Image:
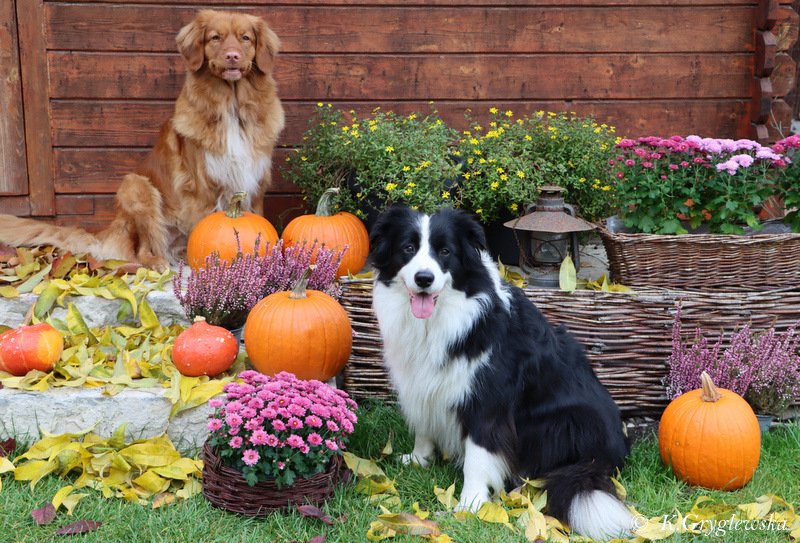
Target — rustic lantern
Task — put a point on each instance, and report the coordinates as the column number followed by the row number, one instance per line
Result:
column 546, row 235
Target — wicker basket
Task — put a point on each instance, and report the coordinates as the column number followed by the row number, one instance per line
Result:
column 627, row 336
column 704, row 262
column 227, row 489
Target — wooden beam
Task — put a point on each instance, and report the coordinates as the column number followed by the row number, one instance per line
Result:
column 30, row 14
column 13, row 170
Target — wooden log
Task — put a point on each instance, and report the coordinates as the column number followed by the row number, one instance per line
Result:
column 761, row 102
column 416, row 29
column 786, row 28
column 404, row 77
column 766, row 14
column 13, row 168
column 766, row 47
column 783, row 77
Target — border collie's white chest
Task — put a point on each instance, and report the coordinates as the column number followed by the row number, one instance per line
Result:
column 239, row 168
column 430, row 385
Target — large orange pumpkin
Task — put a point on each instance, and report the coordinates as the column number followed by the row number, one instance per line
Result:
column 34, row 347
column 710, row 437
column 204, row 349
column 305, row 332
column 334, row 230
column 217, row 232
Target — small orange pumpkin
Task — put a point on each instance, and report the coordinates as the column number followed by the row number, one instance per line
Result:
column 204, row 349
column 33, row 347
column 217, row 232
column 710, row 437
column 334, row 230
column 305, row 332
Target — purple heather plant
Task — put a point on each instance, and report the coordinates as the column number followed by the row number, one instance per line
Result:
column 764, row 368
column 663, row 184
column 280, row 427
column 224, row 292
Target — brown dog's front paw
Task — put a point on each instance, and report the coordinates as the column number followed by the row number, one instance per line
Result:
column 154, row 263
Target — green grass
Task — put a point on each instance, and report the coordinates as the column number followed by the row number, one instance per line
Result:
column 651, row 488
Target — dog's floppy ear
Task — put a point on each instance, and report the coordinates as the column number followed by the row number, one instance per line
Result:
column 191, row 39
column 472, row 231
column 267, row 45
column 381, row 235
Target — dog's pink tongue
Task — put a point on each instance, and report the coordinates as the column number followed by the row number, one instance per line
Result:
column 422, row 305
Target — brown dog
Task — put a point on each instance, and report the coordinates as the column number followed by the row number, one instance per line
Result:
column 219, row 141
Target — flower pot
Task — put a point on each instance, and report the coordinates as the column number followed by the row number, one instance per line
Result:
column 764, row 422
column 227, row 489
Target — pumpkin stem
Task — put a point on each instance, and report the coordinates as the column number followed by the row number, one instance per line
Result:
column 299, row 290
column 710, row 392
column 199, row 318
column 324, row 204
column 234, row 210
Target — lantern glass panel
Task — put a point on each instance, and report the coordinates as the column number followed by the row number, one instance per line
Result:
column 549, row 249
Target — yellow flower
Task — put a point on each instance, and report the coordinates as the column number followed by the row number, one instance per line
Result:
column 446, row 195
column 412, row 116
column 606, row 187
column 373, row 128
column 406, row 168
column 477, row 151
column 528, row 138
column 390, row 187
column 408, row 192
column 319, row 104
column 514, row 207
column 493, row 124
column 504, row 177
column 493, row 110
column 467, row 175
column 412, row 184
column 478, row 211
column 470, row 160
column 478, row 127
column 520, row 174
column 389, row 149
column 509, row 113
column 582, row 180
column 345, row 129
column 495, row 185
column 473, row 141
column 303, row 158
column 500, row 170
column 359, row 213
column 482, row 161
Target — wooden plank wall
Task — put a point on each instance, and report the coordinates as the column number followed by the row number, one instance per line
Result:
column 646, row 66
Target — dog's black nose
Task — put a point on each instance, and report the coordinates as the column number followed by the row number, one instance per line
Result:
column 423, row 278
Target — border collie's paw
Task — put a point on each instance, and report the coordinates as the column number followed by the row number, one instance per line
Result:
column 470, row 504
column 421, row 461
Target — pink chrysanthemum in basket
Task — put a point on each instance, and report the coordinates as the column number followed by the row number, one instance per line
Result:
column 280, row 427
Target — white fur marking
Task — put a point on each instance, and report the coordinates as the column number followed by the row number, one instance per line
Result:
column 600, row 515
column 238, row 168
column 484, row 472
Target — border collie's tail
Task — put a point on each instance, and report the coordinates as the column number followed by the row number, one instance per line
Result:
column 584, row 496
column 22, row 232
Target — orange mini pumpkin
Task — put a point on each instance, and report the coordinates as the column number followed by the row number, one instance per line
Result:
column 217, row 232
column 34, row 347
column 305, row 332
column 204, row 349
column 710, row 437
column 334, row 230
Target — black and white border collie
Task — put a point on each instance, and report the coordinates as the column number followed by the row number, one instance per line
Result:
column 482, row 377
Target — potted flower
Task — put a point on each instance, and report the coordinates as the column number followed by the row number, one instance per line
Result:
column 275, row 441
column 763, row 368
column 789, row 180
column 668, row 186
column 223, row 293
column 379, row 160
column 507, row 161
column 712, row 190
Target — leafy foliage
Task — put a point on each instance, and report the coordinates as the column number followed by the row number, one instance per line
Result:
column 380, row 160
column 715, row 183
column 137, row 472
column 507, row 163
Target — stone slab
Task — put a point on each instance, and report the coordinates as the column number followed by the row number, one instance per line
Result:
column 24, row 415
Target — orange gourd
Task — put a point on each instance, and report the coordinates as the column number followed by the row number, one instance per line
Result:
column 217, row 232
column 204, row 349
column 34, row 347
column 710, row 437
column 305, row 332
column 334, row 230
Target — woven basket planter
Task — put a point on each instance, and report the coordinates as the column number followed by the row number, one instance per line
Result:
column 628, row 337
column 227, row 489
column 704, row 262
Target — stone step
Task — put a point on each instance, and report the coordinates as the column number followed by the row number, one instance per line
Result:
column 24, row 415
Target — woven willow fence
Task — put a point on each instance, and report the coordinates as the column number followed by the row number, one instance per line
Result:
column 627, row 336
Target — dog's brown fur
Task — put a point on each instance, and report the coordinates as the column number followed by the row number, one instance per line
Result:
column 219, row 141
